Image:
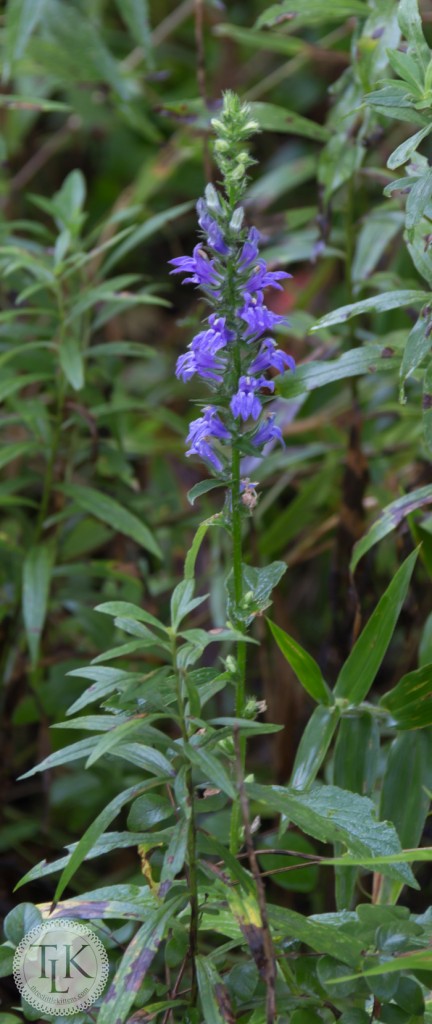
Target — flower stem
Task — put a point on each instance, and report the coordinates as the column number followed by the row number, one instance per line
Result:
column 192, row 874
column 241, row 646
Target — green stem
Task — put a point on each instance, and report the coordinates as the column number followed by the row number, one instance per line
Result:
column 241, row 646
column 191, row 839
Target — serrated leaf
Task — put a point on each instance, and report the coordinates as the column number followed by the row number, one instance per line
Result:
column 103, row 507
column 334, row 815
column 258, row 585
column 359, row 671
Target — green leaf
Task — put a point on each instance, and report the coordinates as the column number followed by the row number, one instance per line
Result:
column 276, row 43
column 306, row 669
column 22, row 17
column 355, row 766
column 136, row 15
column 96, row 829
column 72, row 363
column 410, row 702
column 6, row 966
column 305, row 877
column 210, row 766
column 152, row 226
column 258, row 585
column 278, row 119
column 103, row 507
column 427, row 407
column 309, row 376
column 176, row 853
column 406, row 150
column 148, row 811
column 418, row 199
column 203, row 487
column 135, row 963
column 15, row 451
column 307, row 12
column 389, row 519
column 190, row 558
column 21, row 920
column 378, row 230
column 215, row 1001
column 404, row 799
column 420, row 961
column 417, row 347
column 183, row 602
column 334, row 815
column 37, row 570
column 124, row 609
column 375, row 304
column 359, row 671
column 314, row 745
column 411, row 26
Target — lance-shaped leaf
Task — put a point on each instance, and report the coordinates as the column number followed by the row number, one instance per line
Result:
column 103, row 507
column 375, row 304
column 37, row 572
column 310, row 376
column 410, row 702
column 314, row 745
column 96, row 829
column 389, row 519
column 306, row 669
column 359, row 671
column 215, row 1001
column 135, row 963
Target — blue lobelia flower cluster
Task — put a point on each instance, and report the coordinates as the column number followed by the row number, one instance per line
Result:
column 234, row 351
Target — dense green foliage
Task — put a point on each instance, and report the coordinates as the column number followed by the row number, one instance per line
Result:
column 270, row 859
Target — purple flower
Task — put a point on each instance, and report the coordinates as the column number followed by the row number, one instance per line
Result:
column 245, row 402
column 200, row 267
column 249, row 252
column 271, row 356
column 266, row 432
column 201, row 357
column 201, row 430
column 211, row 228
column 257, row 316
column 264, row 278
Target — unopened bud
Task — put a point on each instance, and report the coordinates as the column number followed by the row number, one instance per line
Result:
column 212, row 198
column 237, row 219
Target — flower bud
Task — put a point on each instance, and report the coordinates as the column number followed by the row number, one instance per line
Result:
column 212, row 198
column 237, row 219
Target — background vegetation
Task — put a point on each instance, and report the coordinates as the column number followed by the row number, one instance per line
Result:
column 105, row 110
